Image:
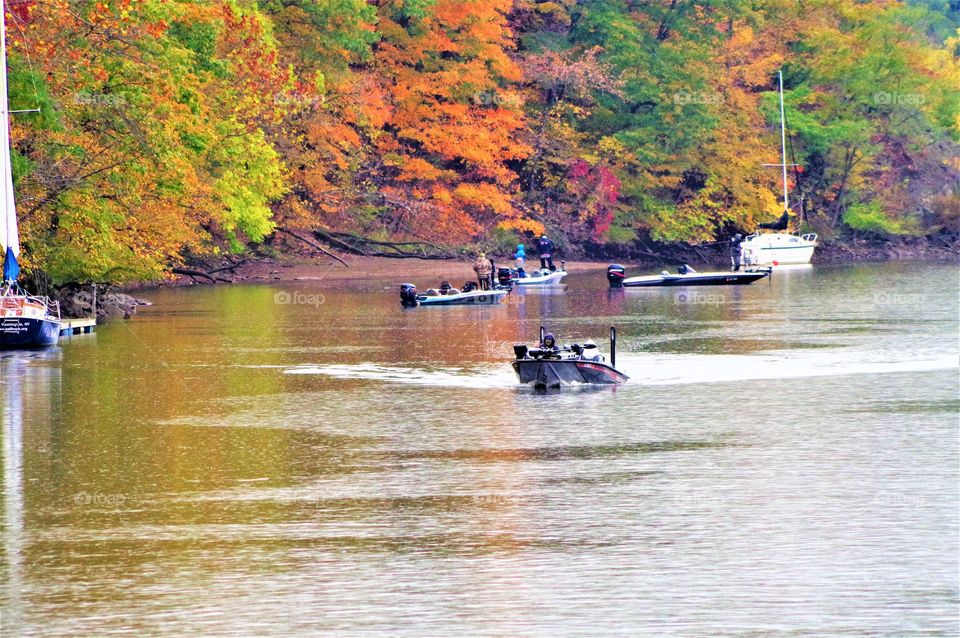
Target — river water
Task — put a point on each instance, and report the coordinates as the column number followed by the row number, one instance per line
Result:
column 308, row 459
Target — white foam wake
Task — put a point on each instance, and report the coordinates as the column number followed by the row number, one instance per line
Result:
column 655, row 369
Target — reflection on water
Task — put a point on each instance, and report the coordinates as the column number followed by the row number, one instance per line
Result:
column 784, row 461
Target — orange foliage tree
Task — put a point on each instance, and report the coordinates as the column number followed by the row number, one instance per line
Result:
column 444, row 153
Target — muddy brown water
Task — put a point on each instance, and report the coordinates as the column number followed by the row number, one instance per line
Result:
column 307, row 458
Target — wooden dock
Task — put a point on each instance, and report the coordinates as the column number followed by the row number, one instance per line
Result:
column 77, row 326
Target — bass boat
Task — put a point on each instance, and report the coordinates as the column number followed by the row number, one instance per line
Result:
column 551, row 366
column 685, row 276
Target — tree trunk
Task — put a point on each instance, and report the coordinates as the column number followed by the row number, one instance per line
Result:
column 312, row 244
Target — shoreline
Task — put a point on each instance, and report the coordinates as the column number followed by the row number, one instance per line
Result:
column 320, row 267
column 416, row 271
column 314, row 265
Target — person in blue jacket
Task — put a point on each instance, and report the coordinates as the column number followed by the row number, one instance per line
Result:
column 520, row 255
column 545, row 249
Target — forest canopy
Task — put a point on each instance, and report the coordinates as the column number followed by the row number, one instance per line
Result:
column 171, row 130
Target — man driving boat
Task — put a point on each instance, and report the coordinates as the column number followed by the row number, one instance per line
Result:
column 549, row 343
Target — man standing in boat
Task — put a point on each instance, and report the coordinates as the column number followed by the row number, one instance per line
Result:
column 735, row 251
column 483, row 268
column 545, row 249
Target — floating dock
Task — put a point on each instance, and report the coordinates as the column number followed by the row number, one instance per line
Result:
column 77, row 326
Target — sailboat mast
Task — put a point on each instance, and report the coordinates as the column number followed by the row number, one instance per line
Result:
column 9, row 237
column 783, row 145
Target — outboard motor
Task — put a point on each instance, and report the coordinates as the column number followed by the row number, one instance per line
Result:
column 504, row 276
column 408, row 295
column 615, row 275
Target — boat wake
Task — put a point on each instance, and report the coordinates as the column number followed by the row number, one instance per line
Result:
column 686, row 369
column 652, row 369
column 439, row 377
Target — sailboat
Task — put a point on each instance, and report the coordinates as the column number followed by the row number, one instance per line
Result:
column 776, row 248
column 26, row 321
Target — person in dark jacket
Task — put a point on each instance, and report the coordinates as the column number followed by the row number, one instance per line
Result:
column 735, row 251
column 549, row 343
column 545, row 249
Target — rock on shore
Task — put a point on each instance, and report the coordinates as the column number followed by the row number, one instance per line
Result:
column 78, row 301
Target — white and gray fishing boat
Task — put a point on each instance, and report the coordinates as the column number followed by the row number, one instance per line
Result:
column 469, row 296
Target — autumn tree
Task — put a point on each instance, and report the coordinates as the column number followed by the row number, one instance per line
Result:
column 148, row 145
column 445, row 153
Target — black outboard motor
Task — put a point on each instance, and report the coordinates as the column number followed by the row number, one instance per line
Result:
column 505, row 276
column 615, row 275
column 408, row 295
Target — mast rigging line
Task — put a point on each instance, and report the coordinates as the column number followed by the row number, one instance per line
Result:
column 26, row 53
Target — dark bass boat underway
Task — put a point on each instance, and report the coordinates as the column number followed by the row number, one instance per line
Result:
column 551, row 366
column 685, row 276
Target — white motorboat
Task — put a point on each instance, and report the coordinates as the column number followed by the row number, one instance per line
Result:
column 775, row 248
column 542, row 277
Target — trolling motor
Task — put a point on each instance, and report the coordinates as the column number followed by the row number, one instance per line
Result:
column 615, row 275
column 408, row 295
